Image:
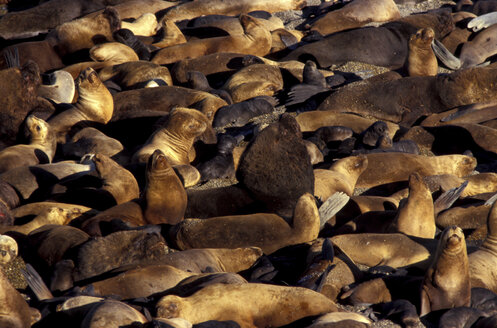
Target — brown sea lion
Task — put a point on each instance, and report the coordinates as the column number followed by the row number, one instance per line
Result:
column 447, row 283
column 208, row 7
column 19, row 87
column 41, row 52
column 131, row 75
column 94, row 103
column 421, row 60
column 90, row 141
column 393, row 167
column 256, row 40
column 254, row 80
column 85, row 32
column 341, row 176
column 275, row 306
column 169, row 33
column 416, row 217
column 40, row 150
column 145, row 25
column 270, row 232
column 175, row 138
column 356, row 14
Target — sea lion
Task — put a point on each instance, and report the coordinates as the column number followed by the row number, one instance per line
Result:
column 276, row 306
column 416, row 217
column 85, row 32
column 41, row 52
column 198, row 81
column 145, row 25
column 221, row 165
column 163, row 99
column 90, row 141
column 254, row 80
column 382, row 168
column 94, row 104
column 18, row 97
column 341, row 176
column 276, row 167
column 111, row 312
column 421, row 60
column 175, row 138
column 8, row 250
column 256, row 40
column 209, row 7
column 40, row 150
column 447, row 282
column 356, row 14
column 132, row 75
column 60, row 87
column 270, row 232
column 242, row 112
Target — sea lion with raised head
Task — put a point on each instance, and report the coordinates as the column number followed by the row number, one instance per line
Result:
column 276, row 305
column 447, row 283
column 256, row 40
column 421, row 60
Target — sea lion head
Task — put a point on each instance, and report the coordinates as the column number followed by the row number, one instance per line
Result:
column 452, row 240
column 87, row 80
column 371, row 135
column 171, row 306
column 38, row 129
column 157, row 163
column 8, row 249
column 422, row 38
column 187, row 122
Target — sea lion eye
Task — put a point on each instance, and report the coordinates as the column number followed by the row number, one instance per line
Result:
column 3, row 252
column 38, row 128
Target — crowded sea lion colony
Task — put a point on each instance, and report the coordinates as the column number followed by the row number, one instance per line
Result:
column 217, row 163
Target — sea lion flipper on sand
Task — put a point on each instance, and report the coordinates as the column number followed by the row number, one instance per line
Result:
column 445, row 200
column 331, row 207
column 36, row 283
column 445, row 55
column 482, row 21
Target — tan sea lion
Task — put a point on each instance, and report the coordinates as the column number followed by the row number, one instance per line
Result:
column 40, row 150
column 175, row 138
column 145, row 25
column 421, row 60
column 416, row 217
column 256, row 40
column 356, row 14
column 393, row 167
column 170, row 34
column 8, row 250
column 94, row 103
column 270, row 232
column 275, row 306
column 132, row 74
column 341, row 176
column 447, row 283
column 111, row 313
column 254, row 80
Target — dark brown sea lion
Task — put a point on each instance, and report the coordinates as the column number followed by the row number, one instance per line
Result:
column 276, row 167
column 41, row 52
column 407, row 99
column 256, row 40
column 270, row 232
column 90, row 141
column 40, row 150
column 94, row 103
column 208, row 7
column 221, row 165
column 276, row 305
column 127, row 38
column 362, row 44
column 421, row 60
column 383, row 168
column 19, row 88
column 131, row 75
column 175, row 138
column 447, row 283
column 356, row 14
column 241, row 113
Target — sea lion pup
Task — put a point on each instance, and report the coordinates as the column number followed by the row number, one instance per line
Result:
column 40, row 150
column 85, row 32
column 140, row 282
column 175, row 138
column 198, row 81
column 256, row 40
column 385, row 168
column 482, row 262
column 276, row 168
column 276, row 305
column 242, row 112
column 14, row 311
column 416, row 217
column 209, row 7
column 59, row 87
column 270, row 232
column 145, row 25
column 356, row 14
column 133, row 74
column 254, row 80
column 94, row 104
column 163, row 99
column 357, row 44
column 421, row 61
column 127, row 37
column 221, row 165
column 447, row 283
column 18, row 96
column 341, row 176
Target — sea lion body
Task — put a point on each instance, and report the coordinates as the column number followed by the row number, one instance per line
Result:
column 130, row 75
